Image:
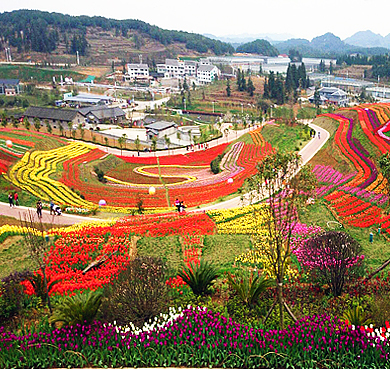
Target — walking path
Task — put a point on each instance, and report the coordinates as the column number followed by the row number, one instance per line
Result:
column 306, row 153
column 21, row 212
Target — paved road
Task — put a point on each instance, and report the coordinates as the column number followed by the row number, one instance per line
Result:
column 20, row 212
column 66, row 219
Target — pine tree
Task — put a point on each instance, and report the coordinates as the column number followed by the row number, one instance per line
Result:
column 228, row 89
column 250, row 88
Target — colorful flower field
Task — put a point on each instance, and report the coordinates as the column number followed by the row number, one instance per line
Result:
column 358, row 198
column 21, row 142
column 187, row 177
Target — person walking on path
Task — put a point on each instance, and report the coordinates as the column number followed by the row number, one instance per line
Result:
column 52, row 207
column 11, row 200
column 16, row 199
column 39, row 209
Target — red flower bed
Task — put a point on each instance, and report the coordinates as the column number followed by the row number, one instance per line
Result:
column 74, row 251
column 193, row 194
column 202, row 157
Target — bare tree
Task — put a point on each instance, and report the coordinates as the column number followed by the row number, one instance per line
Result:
column 38, row 247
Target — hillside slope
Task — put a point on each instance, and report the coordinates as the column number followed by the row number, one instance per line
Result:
column 36, row 35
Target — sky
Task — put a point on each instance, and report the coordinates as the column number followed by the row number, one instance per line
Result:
column 297, row 18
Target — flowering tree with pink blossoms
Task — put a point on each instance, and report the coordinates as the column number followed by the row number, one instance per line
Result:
column 333, row 256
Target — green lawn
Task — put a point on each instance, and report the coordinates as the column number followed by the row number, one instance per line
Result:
column 286, row 138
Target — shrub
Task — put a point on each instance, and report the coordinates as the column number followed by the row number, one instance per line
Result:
column 11, row 294
column 214, row 165
column 199, row 276
column 81, row 308
column 138, row 294
column 37, row 281
column 356, row 316
column 100, row 174
column 248, row 287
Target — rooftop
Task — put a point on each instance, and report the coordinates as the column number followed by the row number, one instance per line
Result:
column 51, row 113
column 160, row 125
column 9, row 82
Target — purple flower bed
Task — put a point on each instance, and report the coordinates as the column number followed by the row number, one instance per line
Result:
column 198, row 338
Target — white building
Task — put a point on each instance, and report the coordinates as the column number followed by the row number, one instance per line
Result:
column 172, row 68
column 137, row 71
column 190, row 67
column 207, row 74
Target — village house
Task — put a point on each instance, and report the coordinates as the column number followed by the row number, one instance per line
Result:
column 160, row 129
column 9, row 87
column 207, row 74
column 103, row 114
column 55, row 116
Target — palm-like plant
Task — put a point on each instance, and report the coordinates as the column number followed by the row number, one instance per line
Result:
column 249, row 287
column 78, row 309
column 356, row 316
column 199, row 276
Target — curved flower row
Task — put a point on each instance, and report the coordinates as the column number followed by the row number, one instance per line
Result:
column 32, row 173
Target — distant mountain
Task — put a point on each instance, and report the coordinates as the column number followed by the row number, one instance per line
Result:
column 248, row 37
column 261, row 47
column 326, row 46
column 368, row 39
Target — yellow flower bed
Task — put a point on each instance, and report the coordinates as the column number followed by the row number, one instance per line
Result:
column 13, row 230
column 244, row 220
column 32, row 173
column 250, row 220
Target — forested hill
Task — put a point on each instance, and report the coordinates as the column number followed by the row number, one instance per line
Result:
column 38, row 31
column 262, row 47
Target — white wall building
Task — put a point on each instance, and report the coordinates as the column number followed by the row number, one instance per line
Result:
column 207, row 74
column 172, row 68
column 137, row 71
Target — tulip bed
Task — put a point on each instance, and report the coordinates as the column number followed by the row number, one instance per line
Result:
column 357, row 199
column 239, row 163
column 197, row 338
column 22, row 141
column 77, row 246
column 32, row 173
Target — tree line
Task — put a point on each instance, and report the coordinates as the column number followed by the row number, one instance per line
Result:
column 33, row 30
column 280, row 89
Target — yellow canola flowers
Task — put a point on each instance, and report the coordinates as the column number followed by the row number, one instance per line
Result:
column 32, row 173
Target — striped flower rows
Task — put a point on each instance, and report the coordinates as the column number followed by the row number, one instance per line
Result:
column 33, row 174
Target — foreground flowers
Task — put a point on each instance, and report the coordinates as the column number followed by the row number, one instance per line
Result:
column 197, row 337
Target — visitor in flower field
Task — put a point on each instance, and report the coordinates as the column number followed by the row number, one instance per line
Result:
column 11, row 200
column 51, row 207
column 39, row 209
column 16, row 199
column 181, row 206
column 177, row 204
